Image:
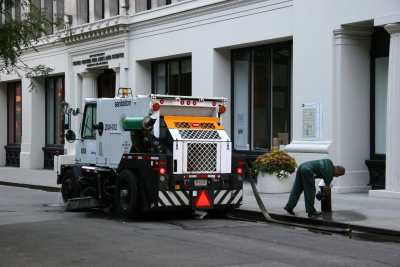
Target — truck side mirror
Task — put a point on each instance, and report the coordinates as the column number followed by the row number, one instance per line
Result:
column 76, row 111
column 70, row 136
column 66, row 120
column 99, row 127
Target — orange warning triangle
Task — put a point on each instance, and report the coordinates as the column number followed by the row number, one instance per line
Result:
column 203, row 201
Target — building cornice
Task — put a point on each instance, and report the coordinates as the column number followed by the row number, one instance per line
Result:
column 94, row 30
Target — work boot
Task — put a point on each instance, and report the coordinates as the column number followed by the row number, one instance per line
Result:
column 314, row 214
column 289, row 210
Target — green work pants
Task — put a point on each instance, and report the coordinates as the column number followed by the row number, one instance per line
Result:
column 304, row 181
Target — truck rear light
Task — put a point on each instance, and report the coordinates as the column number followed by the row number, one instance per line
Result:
column 194, row 103
column 162, row 171
column 214, row 104
column 239, row 170
column 161, row 101
column 188, row 102
column 222, row 109
column 196, row 124
column 182, row 102
column 156, row 106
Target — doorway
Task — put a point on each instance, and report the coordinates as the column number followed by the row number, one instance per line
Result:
column 106, row 84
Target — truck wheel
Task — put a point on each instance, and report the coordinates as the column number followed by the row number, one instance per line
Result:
column 126, row 194
column 69, row 187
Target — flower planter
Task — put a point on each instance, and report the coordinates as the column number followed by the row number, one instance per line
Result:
column 270, row 183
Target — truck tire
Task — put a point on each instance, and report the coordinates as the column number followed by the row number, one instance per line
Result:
column 126, row 194
column 69, row 186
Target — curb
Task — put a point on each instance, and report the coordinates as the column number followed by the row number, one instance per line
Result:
column 32, row 186
column 258, row 216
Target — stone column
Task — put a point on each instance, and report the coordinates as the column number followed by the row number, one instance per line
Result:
column 393, row 111
column 117, row 80
column 350, row 102
column 89, row 85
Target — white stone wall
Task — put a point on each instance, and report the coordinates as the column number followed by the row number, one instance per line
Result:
column 331, row 41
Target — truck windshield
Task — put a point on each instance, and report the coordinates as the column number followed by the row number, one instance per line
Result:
column 89, row 119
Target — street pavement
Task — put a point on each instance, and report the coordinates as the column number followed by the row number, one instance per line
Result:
column 352, row 209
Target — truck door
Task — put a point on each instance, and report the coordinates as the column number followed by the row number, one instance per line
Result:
column 86, row 147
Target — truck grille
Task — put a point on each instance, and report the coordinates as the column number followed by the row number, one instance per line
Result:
column 202, row 157
column 199, row 134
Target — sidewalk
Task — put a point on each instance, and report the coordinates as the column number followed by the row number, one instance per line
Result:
column 352, row 208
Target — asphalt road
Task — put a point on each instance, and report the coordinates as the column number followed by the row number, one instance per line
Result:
column 35, row 231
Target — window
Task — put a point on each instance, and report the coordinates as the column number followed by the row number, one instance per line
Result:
column 98, row 9
column 173, row 77
column 60, row 12
column 261, row 96
column 14, row 107
column 82, row 11
column 55, row 94
column 17, row 6
column 114, row 8
column 89, row 119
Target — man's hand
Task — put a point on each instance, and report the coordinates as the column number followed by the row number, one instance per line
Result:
column 327, row 191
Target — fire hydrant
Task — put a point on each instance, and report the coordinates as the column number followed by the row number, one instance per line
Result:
column 326, row 202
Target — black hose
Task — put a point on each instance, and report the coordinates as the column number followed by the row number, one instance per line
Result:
column 346, row 231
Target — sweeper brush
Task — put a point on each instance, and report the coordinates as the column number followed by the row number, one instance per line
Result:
column 81, row 203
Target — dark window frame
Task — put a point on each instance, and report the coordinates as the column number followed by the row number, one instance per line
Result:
column 55, row 101
column 252, row 151
column 167, row 74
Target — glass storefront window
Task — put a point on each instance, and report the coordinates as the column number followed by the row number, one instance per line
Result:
column 261, row 74
column 14, row 104
column 241, row 99
column 381, row 83
column 55, row 95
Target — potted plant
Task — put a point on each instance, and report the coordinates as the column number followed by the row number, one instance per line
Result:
column 273, row 171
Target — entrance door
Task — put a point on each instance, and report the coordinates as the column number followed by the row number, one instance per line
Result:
column 106, row 84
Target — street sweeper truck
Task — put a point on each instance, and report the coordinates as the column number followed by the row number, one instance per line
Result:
column 154, row 152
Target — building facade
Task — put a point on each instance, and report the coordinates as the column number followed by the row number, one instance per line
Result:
column 316, row 77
